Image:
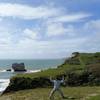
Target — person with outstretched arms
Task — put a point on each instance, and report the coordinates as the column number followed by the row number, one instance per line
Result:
column 56, row 87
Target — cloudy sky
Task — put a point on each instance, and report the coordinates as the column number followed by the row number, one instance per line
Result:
column 32, row 29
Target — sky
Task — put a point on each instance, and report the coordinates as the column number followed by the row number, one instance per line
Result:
column 45, row 29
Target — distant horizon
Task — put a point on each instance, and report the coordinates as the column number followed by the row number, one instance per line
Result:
column 46, row 29
column 31, row 58
column 42, row 58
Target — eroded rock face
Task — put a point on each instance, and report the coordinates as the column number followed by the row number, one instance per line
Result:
column 18, row 67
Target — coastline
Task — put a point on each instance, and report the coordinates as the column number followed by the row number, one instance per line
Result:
column 28, row 71
column 31, row 65
column 4, row 83
column 72, row 65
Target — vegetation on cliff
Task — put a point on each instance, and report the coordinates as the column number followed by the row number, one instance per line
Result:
column 79, row 69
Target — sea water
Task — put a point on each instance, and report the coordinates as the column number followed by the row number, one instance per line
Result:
column 30, row 65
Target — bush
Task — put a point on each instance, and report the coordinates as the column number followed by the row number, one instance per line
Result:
column 77, row 78
column 21, row 83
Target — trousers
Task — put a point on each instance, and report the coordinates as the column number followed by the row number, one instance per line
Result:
column 53, row 91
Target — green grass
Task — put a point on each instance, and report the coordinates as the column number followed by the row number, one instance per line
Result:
column 94, row 97
column 89, row 58
column 84, row 58
column 79, row 93
column 51, row 72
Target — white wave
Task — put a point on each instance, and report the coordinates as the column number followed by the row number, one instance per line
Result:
column 32, row 71
column 28, row 71
column 2, row 70
column 7, row 71
column 3, row 84
column 12, row 70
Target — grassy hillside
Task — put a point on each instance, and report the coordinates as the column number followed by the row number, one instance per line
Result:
column 76, row 93
column 80, row 69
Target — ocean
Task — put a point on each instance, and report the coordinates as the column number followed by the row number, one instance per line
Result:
column 30, row 65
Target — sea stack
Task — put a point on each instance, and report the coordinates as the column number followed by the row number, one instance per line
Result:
column 18, row 67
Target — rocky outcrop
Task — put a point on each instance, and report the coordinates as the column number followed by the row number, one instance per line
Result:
column 18, row 67
column 8, row 70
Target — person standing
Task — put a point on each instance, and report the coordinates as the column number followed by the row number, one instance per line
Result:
column 56, row 87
